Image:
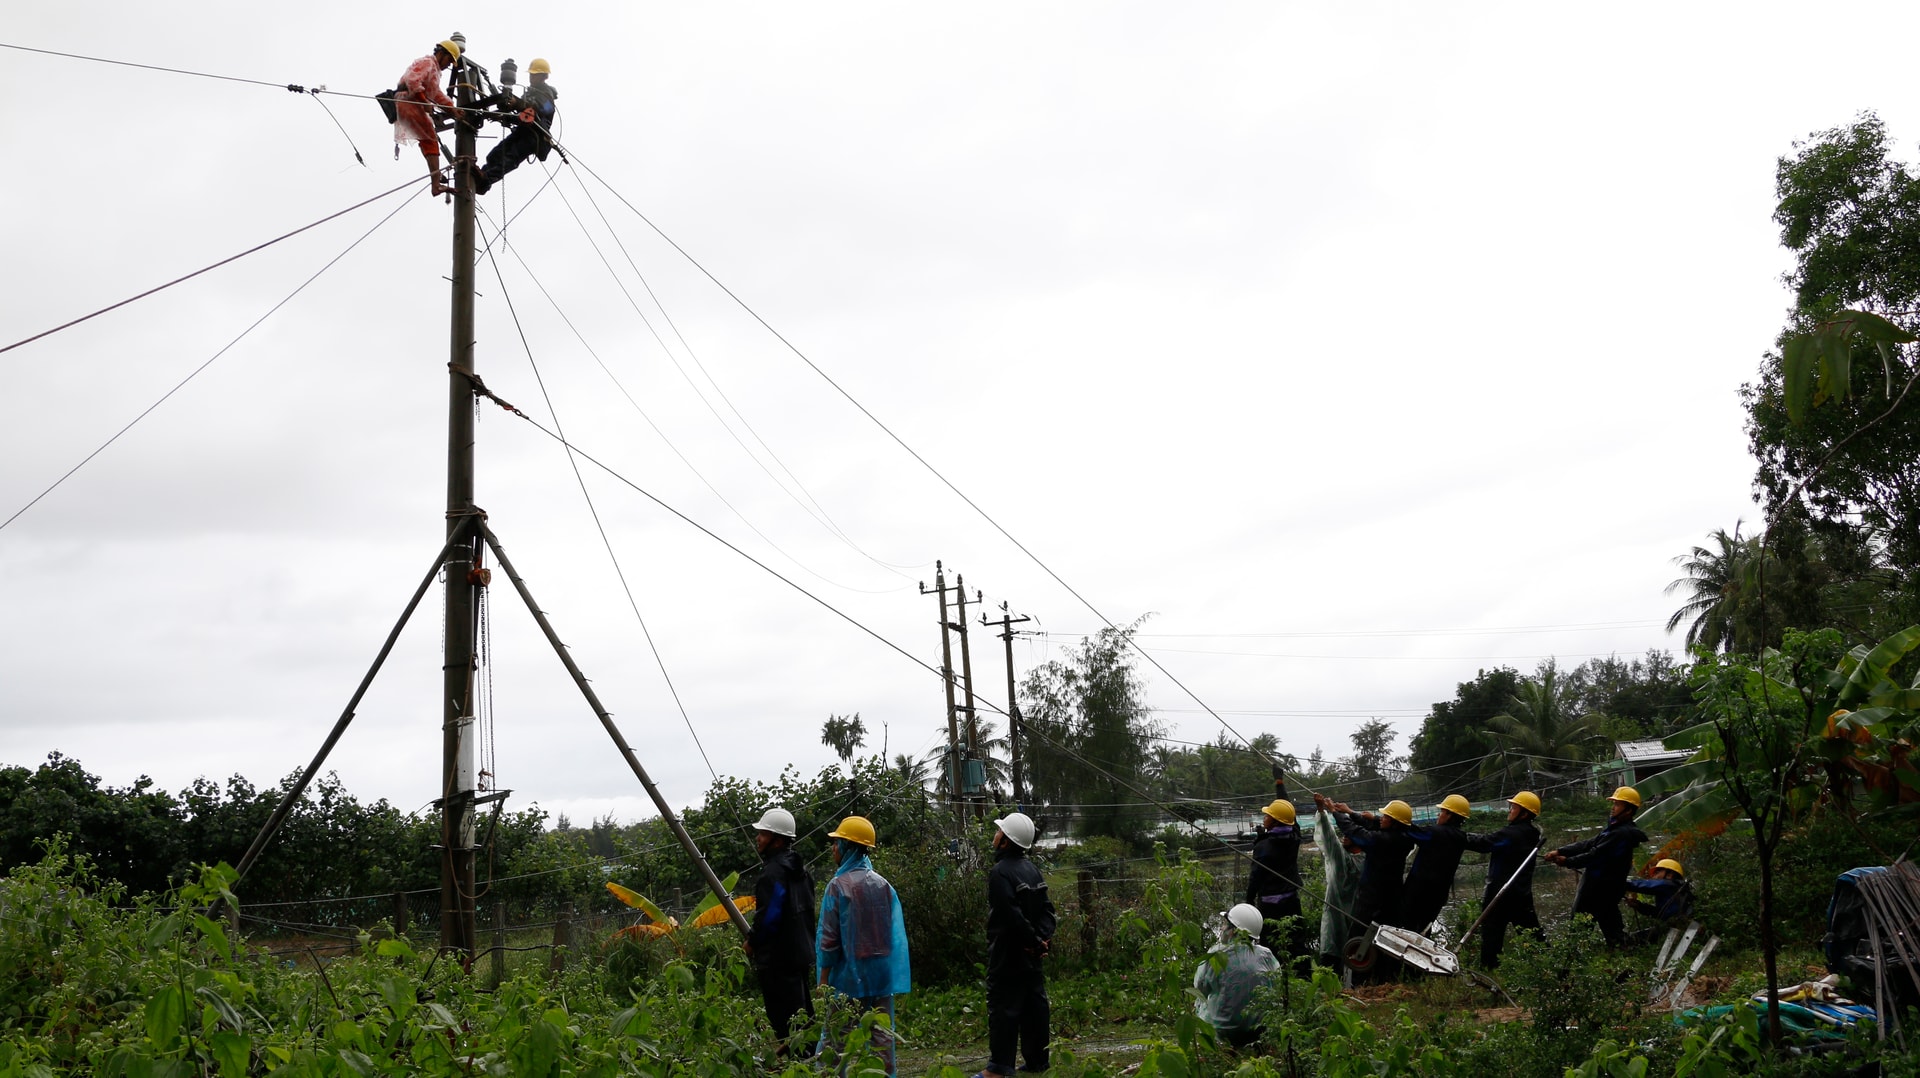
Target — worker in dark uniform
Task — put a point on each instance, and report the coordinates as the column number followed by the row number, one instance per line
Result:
column 1436, row 856
column 1665, row 897
column 531, row 123
column 781, row 943
column 1020, row 923
column 1510, row 851
column 1605, row 860
column 1273, row 881
column 1386, row 843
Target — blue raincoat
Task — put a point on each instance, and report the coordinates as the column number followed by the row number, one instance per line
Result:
column 861, row 944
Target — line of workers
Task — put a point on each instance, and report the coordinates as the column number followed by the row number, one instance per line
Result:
column 1386, row 890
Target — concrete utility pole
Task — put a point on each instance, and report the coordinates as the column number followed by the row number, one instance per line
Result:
column 966, row 674
column 1006, row 623
column 946, row 674
column 464, row 575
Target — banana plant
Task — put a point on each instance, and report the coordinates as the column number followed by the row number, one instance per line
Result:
column 1864, row 746
column 658, row 923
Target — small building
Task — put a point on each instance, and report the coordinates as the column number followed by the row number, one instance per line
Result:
column 1638, row 761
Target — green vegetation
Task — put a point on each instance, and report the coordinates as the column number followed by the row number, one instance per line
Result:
column 1801, row 702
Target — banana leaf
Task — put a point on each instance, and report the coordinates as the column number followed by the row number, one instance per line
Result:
column 1695, row 772
column 713, row 900
column 1872, row 669
column 1699, row 806
column 642, row 903
column 716, row 914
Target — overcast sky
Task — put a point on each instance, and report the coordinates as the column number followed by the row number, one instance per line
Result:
column 1363, row 346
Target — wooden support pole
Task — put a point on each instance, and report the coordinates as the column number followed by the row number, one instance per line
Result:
column 562, row 937
column 499, row 951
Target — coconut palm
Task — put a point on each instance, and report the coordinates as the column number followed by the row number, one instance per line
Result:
column 911, row 771
column 1539, row 735
column 987, row 747
column 1712, row 586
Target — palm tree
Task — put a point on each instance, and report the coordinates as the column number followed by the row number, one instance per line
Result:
column 844, row 734
column 1712, row 585
column 987, row 747
column 1539, row 735
column 911, row 771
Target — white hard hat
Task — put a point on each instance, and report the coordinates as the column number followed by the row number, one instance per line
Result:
column 1247, row 919
column 1018, row 827
column 777, row 820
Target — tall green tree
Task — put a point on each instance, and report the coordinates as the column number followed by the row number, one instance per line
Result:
column 1452, row 738
column 1744, row 592
column 1645, row 697
column 1782, row 735
column 1541, row 737
column 1089, row 733
column 1832, row 419
column 1366, row 768
column 844, row 734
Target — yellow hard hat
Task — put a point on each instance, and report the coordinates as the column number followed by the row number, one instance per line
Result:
column 1628, row 794
column 451, row 46
column 1670, row 865
column 1399, row 810
column 1280, row 810
column 539, row 66
column 1526, row 799
column 854, row 829
column 1457, row 805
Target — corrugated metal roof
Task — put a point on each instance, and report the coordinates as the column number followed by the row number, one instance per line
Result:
column 1649, row 752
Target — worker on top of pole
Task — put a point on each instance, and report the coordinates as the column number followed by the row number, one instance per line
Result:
column 530, row 115
column 413, row 117
column 1606, row 858
column 1436, row 857
column 1510, row 851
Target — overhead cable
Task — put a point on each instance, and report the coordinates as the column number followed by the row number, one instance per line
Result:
column 618, row 570
column 915, row 454
column 210, row 360
column 514, row 250
column 812, row 505
column 214, row 266
column 813, row 510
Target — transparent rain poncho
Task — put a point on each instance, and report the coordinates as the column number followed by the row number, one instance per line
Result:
column 1343, row 888
column 1224, row 993
column 861, row 945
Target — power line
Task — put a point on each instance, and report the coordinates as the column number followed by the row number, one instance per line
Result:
column 910, row 451
column 1471, row 630
column 764, row 567
column 606, row 541
column 204, row 269
column 223, row 351
column 812, row 504
column 514, row 250
column 290, row 87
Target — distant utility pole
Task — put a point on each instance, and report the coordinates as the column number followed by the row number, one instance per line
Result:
column 1007, row 622
column 946, row 673
column 966, row 674
column 463, row 572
